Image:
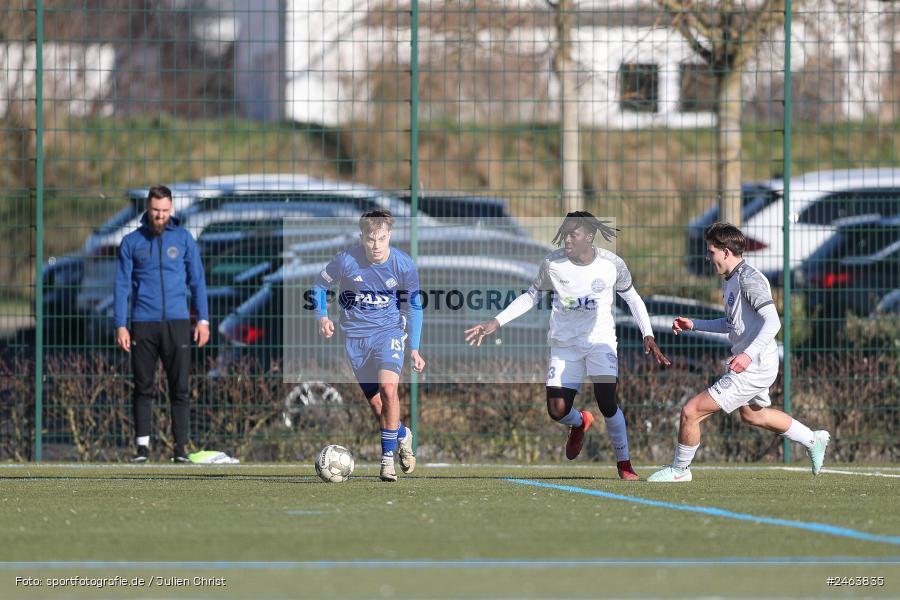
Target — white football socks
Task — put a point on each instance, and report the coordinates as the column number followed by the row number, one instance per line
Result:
column 684, row 455
column 143, row 440
column 573, row 419
column 800, row 433
column 618, row 433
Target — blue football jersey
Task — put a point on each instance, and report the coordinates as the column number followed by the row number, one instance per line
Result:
column 373, row 297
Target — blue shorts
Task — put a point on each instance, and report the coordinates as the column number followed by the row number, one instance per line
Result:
column 383, row 351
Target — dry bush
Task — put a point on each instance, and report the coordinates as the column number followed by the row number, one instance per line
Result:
column 856, row 397
column 87, row 415
column 16, row 409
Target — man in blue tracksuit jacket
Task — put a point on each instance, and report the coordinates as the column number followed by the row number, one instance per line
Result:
column 157, row 265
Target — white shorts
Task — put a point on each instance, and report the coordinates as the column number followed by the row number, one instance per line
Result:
column 734, row 390
column 569, row 364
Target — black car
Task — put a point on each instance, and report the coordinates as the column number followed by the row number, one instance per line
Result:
column 63, row 323
column 755, row 197
column 889, row 304
column 856, row 267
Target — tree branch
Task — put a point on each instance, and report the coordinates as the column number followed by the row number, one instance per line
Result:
column 687, row 23
column 765, row 19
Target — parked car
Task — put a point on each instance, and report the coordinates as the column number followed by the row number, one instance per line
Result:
column 185, row 197
column 101, row 247
column 61, row 277
column 104, row 241
column 852, row 270
column 268, row 188
column 322, row 199
column 436, row 240
column 755, row 197
column 889, row 304
column 819, row 200
column 472, row 210
column 62, row 321
column 217, row 231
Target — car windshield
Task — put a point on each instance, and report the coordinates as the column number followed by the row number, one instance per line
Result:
column 757, row 198
column 458, row 208
column 852, row 203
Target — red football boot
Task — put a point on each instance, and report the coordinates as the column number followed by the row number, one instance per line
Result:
column 576, row 436
column 626, row 471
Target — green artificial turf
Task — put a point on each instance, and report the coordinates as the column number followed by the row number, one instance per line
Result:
column 446, row 532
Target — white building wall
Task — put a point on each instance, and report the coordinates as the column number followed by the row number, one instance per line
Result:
column 331, row 49
column 77, row 77
column 257, row 59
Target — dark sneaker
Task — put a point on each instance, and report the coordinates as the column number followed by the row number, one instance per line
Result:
column 181, row 457
column 142, row 455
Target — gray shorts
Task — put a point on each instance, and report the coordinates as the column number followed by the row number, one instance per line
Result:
column 734, row 390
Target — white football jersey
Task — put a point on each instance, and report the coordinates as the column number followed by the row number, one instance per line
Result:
column 582, row 296
column 745, row 291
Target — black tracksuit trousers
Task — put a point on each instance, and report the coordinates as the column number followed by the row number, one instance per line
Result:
column 171, row 342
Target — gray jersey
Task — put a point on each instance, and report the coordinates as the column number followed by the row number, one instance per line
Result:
column 745, row 292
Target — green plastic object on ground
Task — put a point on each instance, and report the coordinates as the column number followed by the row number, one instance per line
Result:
column 212, row 457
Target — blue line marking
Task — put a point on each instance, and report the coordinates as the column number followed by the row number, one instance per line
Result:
column 718, row 512
column 531, row 563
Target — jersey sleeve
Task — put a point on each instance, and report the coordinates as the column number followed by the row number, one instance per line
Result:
column 525, row 302
column 542, row 281
column 623, row 276
column 768, row 331
column 413, row 308
column 331, row 274
column 325, row 280
column 755, row 289
column 638, row 310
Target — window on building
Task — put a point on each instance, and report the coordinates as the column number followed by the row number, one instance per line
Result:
column 697, row 88
column 639, row 87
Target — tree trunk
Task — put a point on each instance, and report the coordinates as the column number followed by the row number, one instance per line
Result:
column 728, row 147
column 568, row 102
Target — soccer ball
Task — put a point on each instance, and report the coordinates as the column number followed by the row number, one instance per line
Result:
column 334, row 464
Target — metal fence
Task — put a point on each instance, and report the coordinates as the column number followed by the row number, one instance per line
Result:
column 499, row 117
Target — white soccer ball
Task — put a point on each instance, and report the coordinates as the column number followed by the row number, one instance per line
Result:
column 334, row 464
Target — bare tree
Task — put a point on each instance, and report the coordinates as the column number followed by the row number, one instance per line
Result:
column 726, row 36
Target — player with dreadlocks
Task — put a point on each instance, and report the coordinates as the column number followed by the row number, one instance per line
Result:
column 582, row 336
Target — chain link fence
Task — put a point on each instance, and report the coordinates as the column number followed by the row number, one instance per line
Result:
column 481, row 124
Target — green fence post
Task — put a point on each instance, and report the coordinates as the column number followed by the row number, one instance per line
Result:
column 414, row 188
column 39, row 225
column 786, row 204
